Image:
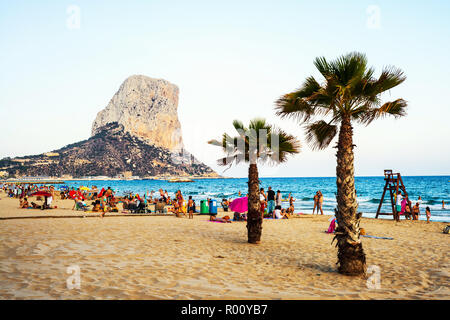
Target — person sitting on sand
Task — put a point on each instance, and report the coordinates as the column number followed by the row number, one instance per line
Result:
column 24, row 204
column 159, row 207
column 97, row 206
column 277, row 213
column 225, row 219
column 225, row 204
column 35, row 206
column 113, row 205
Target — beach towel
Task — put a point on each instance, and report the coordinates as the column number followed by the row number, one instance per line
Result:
column 403, row 206
column 332, row 226
column 375, row 237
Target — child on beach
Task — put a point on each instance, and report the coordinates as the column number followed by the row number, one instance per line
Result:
column 428, row 213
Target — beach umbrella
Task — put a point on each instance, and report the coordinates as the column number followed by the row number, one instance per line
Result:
column 239, row 205
column 42, row 194
column 85, row 189
column 101, row 192
column 72, row 194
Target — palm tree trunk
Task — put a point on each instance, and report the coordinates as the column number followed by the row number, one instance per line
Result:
column 254, row 218
column 351, row 257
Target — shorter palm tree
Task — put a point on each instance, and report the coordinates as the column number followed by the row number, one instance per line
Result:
column 259, row 143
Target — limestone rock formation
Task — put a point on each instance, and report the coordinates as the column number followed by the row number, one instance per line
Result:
column 146, row 108
column 110, row 152
column 137, row 132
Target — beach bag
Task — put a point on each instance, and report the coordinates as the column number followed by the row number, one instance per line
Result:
column 446, row 230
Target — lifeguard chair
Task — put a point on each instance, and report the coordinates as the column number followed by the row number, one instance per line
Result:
column 393, row 184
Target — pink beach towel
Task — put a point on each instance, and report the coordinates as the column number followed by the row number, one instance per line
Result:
column 332, row 226
column 403, row 206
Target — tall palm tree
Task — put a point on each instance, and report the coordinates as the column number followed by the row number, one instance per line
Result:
column 349, row 93
column 259, row 143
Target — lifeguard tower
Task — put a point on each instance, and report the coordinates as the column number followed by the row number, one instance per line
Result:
column 394, row 183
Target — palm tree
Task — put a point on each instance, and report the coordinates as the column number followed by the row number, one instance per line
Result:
column 259, row 143
column 349, row 93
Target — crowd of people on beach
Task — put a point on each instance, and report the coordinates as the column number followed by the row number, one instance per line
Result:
column 404, row 207
column 106, row 200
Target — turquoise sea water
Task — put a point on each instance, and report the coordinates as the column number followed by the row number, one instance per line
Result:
column 432, row 189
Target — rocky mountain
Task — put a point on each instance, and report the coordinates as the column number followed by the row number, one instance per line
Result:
column 110, row 152
column 147, row 108
column 137, row 132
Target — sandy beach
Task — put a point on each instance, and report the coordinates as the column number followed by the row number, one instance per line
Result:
column 163, row 257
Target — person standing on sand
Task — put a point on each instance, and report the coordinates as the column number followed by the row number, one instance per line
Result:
column 398, row 202
column 416, row 211
column 279, row 199
column 270, row 200
column 316, row 202
column 290, row 210
column 428, row 213
column 191, row 207
column 262, row 201
column 320, row 203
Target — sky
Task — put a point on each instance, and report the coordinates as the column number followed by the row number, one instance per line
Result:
column 62, row 61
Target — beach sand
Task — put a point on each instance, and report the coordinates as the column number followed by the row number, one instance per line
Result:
column 177, row 258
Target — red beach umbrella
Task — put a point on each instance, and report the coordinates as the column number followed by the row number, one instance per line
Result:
column 42, row 194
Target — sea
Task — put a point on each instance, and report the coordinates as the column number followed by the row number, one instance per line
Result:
column 432, row 189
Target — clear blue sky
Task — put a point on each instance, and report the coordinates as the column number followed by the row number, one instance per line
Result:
column 230, row 59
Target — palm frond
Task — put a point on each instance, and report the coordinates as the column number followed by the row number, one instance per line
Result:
column 396, row 108
column 319, row 134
